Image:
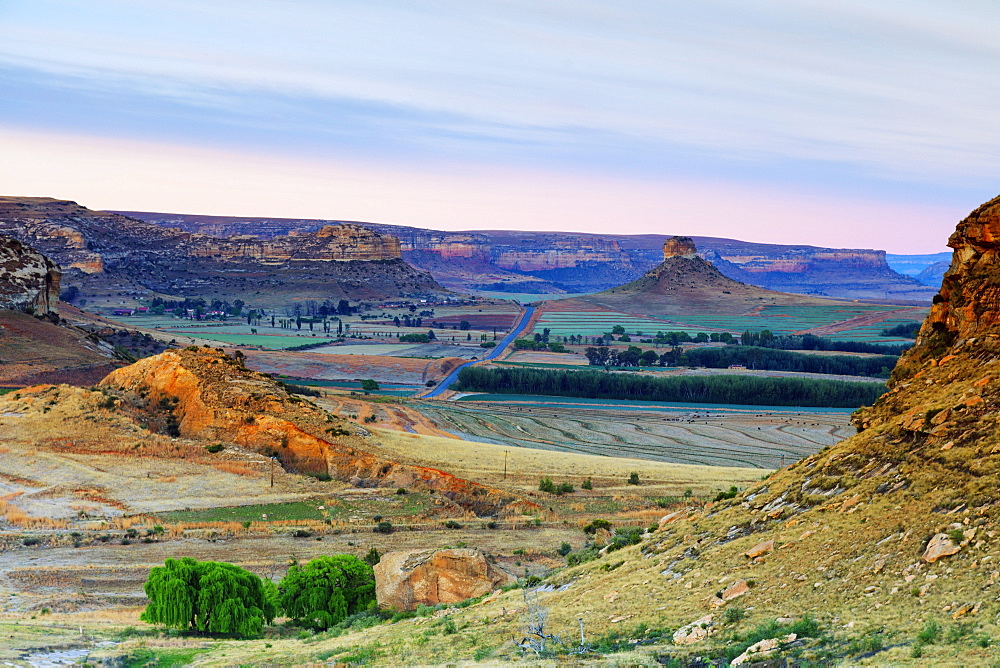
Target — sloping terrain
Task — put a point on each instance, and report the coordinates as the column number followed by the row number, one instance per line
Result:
column 36, row 350
column 203, row 395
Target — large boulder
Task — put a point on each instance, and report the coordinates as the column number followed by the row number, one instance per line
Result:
column 404, row 580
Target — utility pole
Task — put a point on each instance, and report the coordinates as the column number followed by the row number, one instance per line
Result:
column 272, row 471
column 504, row 464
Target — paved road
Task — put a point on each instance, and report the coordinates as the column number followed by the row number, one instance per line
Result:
column 492, row 354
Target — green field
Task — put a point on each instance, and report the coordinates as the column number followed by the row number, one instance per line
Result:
column 777, row 319
column 387, row 504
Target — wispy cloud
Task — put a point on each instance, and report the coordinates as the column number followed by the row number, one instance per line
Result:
column 898, row 96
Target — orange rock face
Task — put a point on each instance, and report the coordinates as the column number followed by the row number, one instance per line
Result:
column 202, row 393
column 969, row 300
column 404, row 580
column 679, row 247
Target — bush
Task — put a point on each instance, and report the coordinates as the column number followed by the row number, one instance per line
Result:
column 327, row 590
column 546, row 485
column 215, row 447
column 735, row 614
column 566, row 488
column 488, row 344
column 208, row 596
column 624, row 537
column 564, row 549
column 582, row 556
column 587, row 484
column 373, row 557
column 383, row 527
column 414, row 338
column 633, row 478
column 722, row 496
column 929, row 634
column 596, row 525
column 451, row 524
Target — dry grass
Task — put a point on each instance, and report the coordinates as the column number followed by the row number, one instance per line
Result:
column 484, row 462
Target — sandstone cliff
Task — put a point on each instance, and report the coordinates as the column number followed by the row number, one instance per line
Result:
column 29, row 281
column 204, row 394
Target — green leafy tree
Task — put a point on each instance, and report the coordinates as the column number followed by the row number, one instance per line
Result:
column 209, row 597
column 327, row 590
column 369, row 385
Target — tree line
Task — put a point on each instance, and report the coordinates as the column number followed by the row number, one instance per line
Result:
column 722, row 389
column 766, row 339
column 752, row 357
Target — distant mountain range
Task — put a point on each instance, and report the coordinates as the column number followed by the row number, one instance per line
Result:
column 112, row 259
column 565, row 262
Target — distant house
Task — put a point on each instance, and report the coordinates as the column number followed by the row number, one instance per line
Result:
column 737, row 366
column 124, row 311
column 142, row 309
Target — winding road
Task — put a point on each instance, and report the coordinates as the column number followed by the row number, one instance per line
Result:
column 493, row 354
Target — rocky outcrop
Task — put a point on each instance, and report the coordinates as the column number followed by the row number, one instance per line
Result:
column 202, row 393
column 679, row 247
column 29, row 281
column 331, row 243
column 404, row 580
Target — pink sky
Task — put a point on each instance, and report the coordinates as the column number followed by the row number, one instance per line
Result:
column 100, row 173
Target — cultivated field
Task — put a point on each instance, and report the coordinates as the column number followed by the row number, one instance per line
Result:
column 858, row 322
column 753, row 437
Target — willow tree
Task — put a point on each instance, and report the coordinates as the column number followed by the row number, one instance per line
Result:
column 327, row 590
column 208, row 596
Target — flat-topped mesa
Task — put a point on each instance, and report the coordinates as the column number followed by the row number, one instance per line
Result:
column 679, row 247
column 29, row 281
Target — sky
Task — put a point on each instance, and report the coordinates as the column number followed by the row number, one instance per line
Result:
column 840, row 123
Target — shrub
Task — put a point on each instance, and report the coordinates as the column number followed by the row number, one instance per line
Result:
column 564, row 549
column 383, row 527
column 731, row 494
column 207, row 596
column 327, row 590
column 582, row 556
column 373, row 557
column 735, row 614
column 401, row 491
column 633, row 478
column 546, row 485
column 215, row 447
column 624, row 537
column 596, row 525
column 587, row 484
column 566, row 488
column 929, row 634
column 451, row 524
